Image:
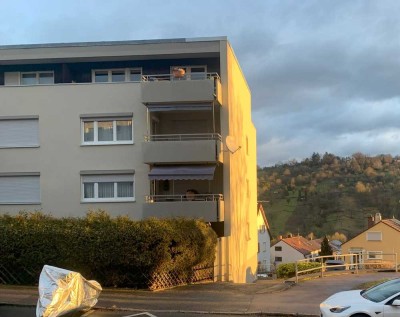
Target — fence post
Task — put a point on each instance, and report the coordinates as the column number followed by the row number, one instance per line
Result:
column 295, row 269
column 357, row 263
column 322, row 267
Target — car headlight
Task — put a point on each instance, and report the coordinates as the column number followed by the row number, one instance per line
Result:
column 339, row 309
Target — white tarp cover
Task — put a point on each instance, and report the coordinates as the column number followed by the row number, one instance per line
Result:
column 62, row 291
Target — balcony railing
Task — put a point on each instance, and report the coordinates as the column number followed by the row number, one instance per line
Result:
column 183, row 137
column 183, row 198
column 171, row 77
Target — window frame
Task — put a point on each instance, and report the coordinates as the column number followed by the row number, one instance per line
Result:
column 96, row 198
column 37, row 77
column 378, row 255
column 188, row 71
column 127, row 73
column 278, row 248
column 35, row 179
column 368, row 238
column 278, row 259
column 32, row 131
column 96, row 121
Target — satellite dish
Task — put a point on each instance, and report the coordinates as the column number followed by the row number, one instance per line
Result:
column 231, row 144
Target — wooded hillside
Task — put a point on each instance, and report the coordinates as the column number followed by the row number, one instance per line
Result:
column 325, row 193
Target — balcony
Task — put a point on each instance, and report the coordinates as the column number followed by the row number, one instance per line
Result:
column 208, row 207
column 204, row 87
column 182, row 148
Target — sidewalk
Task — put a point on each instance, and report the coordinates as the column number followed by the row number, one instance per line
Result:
column 272, row 297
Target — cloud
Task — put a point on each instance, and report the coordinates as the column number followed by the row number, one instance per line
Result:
column 324, row 75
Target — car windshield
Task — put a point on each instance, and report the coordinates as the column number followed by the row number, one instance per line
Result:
column 382, row 291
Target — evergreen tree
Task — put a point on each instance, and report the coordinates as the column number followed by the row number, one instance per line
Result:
column 325, row 247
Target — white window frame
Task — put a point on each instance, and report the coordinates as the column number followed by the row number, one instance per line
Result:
column 188, row 70
column 37, row 73
column 109, row 71
column 377, row 255
column 370, row 236
column 95, row 121
column 107, row 199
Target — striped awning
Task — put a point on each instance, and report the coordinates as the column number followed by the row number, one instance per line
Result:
column 186, row 172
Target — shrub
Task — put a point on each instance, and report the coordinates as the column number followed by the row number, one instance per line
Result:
column 114, row 251
column 288, row 270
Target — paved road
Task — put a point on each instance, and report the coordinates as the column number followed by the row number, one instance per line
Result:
column 303, row 298
column 12, row 311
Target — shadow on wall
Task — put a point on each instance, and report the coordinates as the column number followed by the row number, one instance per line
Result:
column 250, row 276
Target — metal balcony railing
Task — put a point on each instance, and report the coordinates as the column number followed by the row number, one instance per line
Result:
column 183, row 137
column 183, row 198
column 171, row 77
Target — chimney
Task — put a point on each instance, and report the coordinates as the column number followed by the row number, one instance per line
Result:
column 378, row 217
column 280, row 237
column 371, row 221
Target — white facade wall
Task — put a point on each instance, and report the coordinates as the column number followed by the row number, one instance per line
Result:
column 288, row 254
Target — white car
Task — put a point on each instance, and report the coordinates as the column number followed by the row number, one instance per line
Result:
column 382, row 300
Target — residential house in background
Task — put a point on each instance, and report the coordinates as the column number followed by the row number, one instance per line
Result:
column 291, row 249
column 377, row 244
column 264, row 241
column 153, row 128
column 336, row 246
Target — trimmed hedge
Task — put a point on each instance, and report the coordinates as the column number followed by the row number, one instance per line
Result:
column 109, row 250
column 288, row 270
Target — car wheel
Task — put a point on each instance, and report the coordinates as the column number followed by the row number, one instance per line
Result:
column 360, row 315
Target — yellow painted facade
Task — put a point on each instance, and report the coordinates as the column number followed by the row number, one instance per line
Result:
column 238, row 250
column 385, row 243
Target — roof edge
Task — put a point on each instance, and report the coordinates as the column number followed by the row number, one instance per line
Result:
column 110, row 43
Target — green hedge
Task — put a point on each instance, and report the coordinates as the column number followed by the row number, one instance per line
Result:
column 288, row 270
column 113, row 251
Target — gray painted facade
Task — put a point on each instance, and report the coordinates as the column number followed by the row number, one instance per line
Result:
column 74, row 97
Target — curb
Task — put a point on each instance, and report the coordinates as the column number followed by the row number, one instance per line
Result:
column 222, row 313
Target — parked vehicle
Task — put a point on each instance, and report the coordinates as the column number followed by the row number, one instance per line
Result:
column 335, row 265
column 380, row 300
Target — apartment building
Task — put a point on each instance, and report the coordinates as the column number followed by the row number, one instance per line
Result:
column 155, row 128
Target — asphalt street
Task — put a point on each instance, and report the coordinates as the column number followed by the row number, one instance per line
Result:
column 267, row 297
column 13, row 311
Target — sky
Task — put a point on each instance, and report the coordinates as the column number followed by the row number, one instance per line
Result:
column 324, row 75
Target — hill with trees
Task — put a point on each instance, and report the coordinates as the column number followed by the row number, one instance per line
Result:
column 326, row 194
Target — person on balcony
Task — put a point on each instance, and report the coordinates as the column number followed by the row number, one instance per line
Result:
column 191, row 194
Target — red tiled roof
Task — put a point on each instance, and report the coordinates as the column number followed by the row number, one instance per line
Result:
column 394, row 223
column 303, row 245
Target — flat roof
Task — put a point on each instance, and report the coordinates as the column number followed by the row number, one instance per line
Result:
column 111, row 43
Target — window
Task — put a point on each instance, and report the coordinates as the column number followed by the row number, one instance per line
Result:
column 108, row 187
column 264, row 246
column 19, row 132
column 37, row 78
column 278, row 259
column 374, row 236
column 116, row 75
column 103, row 131
column 19, row 188
column 278, row 248
column 374, row 255
column 192, row 72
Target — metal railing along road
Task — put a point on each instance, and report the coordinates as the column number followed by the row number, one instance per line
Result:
column 351, row 262
column 183, row 198
column 183, row 137
column 187, row 76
